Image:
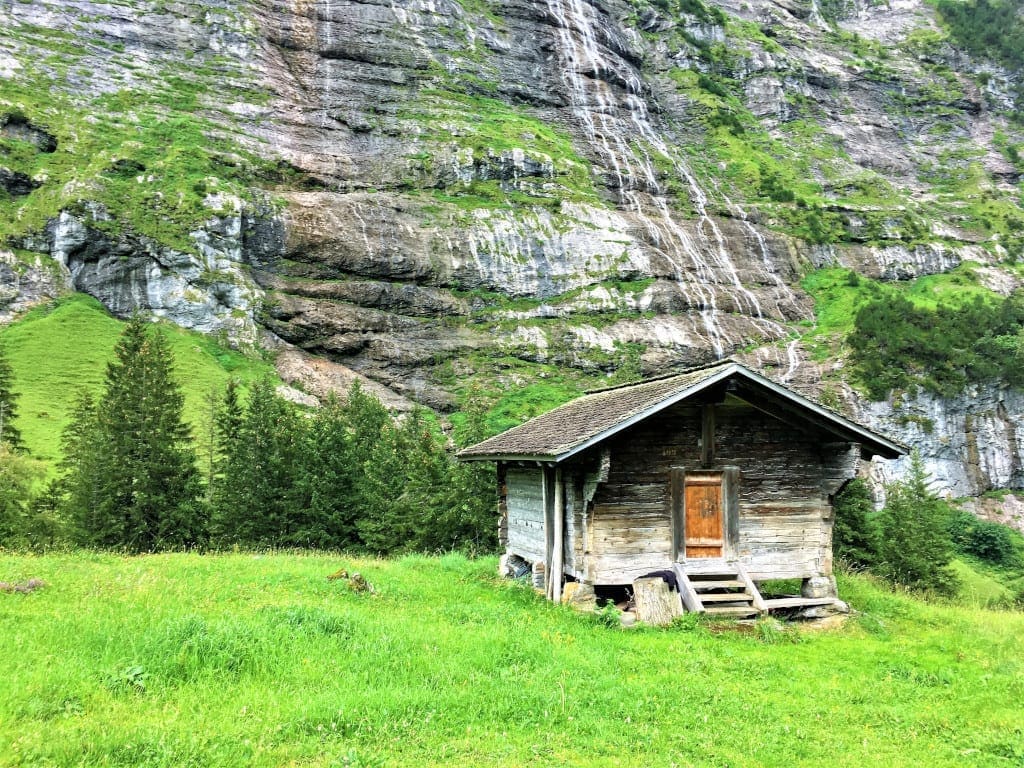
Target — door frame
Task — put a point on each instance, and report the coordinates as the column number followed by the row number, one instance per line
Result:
column 730, row 510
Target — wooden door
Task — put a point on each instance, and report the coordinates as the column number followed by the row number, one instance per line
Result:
column 703, row 510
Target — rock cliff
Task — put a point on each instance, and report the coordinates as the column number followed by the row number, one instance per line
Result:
column 432, row 191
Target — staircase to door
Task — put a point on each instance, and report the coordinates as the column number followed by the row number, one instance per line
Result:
column 721, row 590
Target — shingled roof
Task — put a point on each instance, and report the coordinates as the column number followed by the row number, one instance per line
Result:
column 594, row 417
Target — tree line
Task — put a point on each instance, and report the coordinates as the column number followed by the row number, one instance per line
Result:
column 913, row 540
column 343, row 476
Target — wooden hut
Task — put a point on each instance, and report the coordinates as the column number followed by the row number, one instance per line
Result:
column 718, row 476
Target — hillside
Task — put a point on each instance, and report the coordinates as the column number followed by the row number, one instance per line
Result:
column 261, row 660
column 475, row 193
column 60, row 351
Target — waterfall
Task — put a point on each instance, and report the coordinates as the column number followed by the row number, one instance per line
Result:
column 702, row 266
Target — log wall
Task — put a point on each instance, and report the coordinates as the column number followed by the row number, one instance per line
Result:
column 786, row 476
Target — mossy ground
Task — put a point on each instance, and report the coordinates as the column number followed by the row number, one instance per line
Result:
column 259, row 659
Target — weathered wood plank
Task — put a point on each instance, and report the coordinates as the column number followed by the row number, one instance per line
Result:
column 756, row 599
column 623, row 569
column 707, row 435
column 676, row 479
column 656, row 604
column 728, row 610
column 798, row 602
column 687, row 593
column 525, row 503
column 558, row 538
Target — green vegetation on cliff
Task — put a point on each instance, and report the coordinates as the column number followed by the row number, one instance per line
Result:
column 146, row 157
column 988, row 28
column 938, row 332
column 896, row 345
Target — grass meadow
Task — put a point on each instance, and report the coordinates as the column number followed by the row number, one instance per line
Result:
column 260, row 660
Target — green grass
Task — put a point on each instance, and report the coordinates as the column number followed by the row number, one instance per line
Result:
column 58, row 350
column 978, row 587
column 188, row 660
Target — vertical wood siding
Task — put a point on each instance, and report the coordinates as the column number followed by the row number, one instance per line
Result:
column 525, row 503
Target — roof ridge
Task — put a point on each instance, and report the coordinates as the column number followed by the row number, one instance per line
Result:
column 663, row 377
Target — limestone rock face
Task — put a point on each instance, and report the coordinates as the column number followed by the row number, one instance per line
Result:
column 27, row 281
column 419, row 187
column 204, row 291
column 970, row 444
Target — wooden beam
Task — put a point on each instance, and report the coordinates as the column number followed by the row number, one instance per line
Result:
column 557, row 555
column 691, row 600
column 792, row 413
column 677, row 477
column 707, row 436
column 549, row 525
column 731, row 509
column 503, row 505
column 756, row 599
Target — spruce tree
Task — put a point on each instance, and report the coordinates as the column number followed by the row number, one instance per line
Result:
column 256, row 496
column 78, row 483
column 142, row 475
column 379, row 464
column 10, row 436
column 855, row 534
column 916, row 548
column 329, row 512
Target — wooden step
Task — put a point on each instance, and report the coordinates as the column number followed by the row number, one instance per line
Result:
column 725, row 597
column 698, row 584
column 717, row 588
column 797, row 602
column 730, row 610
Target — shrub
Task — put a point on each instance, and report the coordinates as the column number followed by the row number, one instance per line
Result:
column 986, row 540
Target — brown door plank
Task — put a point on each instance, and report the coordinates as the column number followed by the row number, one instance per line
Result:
column 704, row 517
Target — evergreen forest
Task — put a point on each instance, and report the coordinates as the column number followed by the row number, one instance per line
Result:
column 346, row 476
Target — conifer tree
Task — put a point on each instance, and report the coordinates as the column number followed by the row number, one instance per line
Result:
column 78, row 483
column 255, row 499
column 329, row 510
column 141, row 470
column 380, row 475
column 9, row 433
column 916, row 548
column 855, row 534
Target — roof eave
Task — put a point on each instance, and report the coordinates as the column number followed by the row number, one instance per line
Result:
column 870, row 442
column 616, row 428
column 878, row 445
column 509, row 457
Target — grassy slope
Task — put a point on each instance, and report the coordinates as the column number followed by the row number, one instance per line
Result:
column 260, row 660
column 56, row 351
